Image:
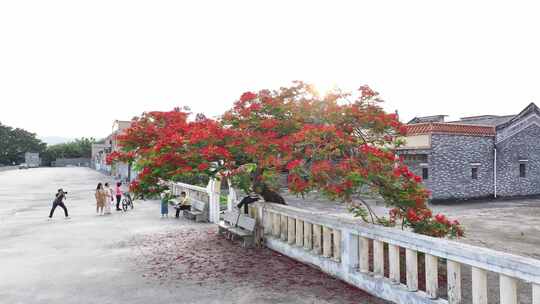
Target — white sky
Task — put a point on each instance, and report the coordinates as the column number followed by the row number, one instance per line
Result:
column 69, row 68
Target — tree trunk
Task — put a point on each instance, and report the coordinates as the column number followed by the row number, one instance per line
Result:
column 129, row 172
column 268, row 194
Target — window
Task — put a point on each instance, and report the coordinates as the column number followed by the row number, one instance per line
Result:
column 415, row 158
column 425, row 173
column 522, row 170
column 474, row 173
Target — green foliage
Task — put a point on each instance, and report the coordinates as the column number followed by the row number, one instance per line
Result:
column 359, row 211
column 81, row 147
column 167, row 196
column 15, row 142
column 243, row 179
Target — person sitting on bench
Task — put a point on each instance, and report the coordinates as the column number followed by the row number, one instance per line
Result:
column 251, row 198
column 183, row 204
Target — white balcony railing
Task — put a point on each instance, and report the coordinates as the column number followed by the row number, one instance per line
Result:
column 370, row 257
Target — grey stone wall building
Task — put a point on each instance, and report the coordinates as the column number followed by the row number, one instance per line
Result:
column 476, row 157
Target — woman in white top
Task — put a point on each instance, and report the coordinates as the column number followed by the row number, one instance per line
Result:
column 110, row 198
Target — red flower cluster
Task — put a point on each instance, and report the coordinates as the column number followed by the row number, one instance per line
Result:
column 293, row 164
column 119, row 156
column 247, row 96
column 367, row 92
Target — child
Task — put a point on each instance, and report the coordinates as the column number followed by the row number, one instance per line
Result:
column 165, row 197
column 118, row 196
column 183, row 204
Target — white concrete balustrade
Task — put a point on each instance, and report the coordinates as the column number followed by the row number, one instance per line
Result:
column 209, row 195
column 354, row 251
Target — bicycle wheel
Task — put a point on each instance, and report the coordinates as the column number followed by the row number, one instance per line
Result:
column 124, row 205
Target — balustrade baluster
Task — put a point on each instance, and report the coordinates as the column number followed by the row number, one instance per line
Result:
column 276, row 223
column 291, row 230
column 432, row 275
column 378, row 257
column 363, row 254
column 317, row 239
column 308, row 235
column 265, row 222
column 284, row 231
column 479, row 286
column 411, row 264
column 299, row 233
column 453, row 278
column 535, row 293
column 327, row 242
column 508, row 289
column 393, row 257
column 350, row 251
column 336, row 254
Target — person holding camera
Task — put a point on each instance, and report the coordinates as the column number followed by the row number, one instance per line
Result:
column 59, row 201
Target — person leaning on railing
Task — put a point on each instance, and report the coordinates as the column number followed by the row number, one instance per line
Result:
column 246, row 201
column 183, row 204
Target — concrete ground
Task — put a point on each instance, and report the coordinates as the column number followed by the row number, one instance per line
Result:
column 134, row 257
column 511, row 226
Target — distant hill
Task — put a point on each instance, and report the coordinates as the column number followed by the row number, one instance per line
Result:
column 53, row 140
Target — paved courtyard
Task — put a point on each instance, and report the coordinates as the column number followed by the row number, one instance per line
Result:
column 511, row 226
column 134, row 257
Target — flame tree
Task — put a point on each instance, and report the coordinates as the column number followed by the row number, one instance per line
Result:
column 340, row 144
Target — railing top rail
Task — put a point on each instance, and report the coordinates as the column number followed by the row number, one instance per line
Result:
column 191, row 187
column 527, row 269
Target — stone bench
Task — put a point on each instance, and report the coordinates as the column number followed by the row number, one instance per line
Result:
column 198, row 211
column 234, row 225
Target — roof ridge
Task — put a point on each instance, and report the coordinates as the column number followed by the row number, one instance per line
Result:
column 451, row 124
column 448, row 128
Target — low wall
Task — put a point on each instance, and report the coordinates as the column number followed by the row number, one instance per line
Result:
column 63, row 162
column 6, row 168
column 369, row 256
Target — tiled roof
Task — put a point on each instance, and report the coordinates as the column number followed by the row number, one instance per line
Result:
column 432, row 118
column 450, row 128
column 485, row 120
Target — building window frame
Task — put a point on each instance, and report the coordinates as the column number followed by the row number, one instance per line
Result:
column 425, row 173
column 523, row 168
column 474, row 173
column 421, row 158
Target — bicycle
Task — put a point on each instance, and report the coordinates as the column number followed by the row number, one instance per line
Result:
column 127, row 202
